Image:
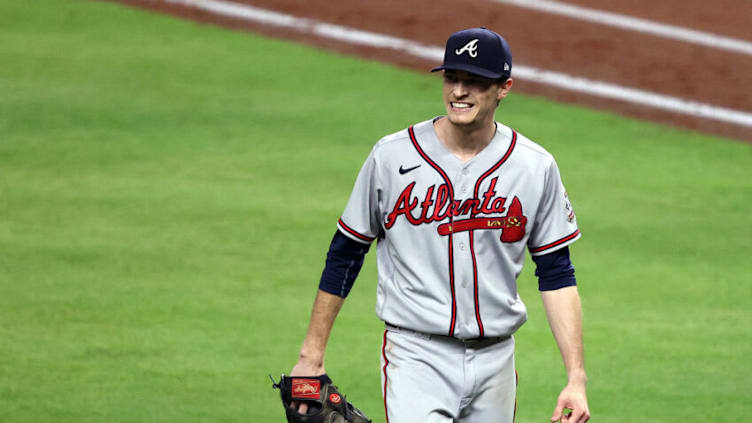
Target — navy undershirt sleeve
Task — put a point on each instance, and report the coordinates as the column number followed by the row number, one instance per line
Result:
column 343, row 263
column 554, row 270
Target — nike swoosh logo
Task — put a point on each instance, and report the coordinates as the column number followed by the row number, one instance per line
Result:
column 402, row 171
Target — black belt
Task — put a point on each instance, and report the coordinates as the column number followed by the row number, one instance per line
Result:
column 475, row 343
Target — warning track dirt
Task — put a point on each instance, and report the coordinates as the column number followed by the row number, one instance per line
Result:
column 649, row 74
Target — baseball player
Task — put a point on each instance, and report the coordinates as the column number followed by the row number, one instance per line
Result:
column 453, row 203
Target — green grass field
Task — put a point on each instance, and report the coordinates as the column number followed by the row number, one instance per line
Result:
column 168, row 191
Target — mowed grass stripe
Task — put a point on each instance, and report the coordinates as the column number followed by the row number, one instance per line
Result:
column 168, row 191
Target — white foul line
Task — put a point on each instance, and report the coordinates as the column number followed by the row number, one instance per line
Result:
column 529, row 73
column 636, row 24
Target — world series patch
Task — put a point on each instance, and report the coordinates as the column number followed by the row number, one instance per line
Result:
column 568, row 209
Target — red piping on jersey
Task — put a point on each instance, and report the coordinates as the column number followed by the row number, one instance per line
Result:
column 386, row 363
column 443, row 174
column 555, row 243
column 499, row 163
column 472, row 235
column 475, row 285
column 353, row 232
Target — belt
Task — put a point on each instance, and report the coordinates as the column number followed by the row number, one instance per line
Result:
column 475, row 343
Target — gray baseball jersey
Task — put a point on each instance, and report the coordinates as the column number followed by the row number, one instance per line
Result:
column 452, row 234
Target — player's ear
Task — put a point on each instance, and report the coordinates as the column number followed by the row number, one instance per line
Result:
column 503, row 89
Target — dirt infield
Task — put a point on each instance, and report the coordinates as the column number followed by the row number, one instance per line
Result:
column 551, row 42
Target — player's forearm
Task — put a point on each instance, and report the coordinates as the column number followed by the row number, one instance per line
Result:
column 325, row 310
column 564, row 313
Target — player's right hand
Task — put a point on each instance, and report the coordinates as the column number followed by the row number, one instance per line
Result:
column 305, row 368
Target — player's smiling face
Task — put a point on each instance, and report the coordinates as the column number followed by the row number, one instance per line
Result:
column 470, row 99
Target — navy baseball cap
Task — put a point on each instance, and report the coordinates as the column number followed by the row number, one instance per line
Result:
column 479, row 51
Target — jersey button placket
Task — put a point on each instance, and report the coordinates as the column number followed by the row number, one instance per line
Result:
column 463, row 174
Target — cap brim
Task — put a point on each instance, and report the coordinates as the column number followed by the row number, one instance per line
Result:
column 471, row 69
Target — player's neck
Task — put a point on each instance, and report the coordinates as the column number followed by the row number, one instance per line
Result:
column 463, row 141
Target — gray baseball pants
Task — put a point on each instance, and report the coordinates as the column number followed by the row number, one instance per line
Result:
column 439, row 379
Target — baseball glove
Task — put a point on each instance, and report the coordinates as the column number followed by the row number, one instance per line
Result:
column 325, row 403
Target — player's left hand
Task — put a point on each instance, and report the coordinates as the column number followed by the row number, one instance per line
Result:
column 573, row 398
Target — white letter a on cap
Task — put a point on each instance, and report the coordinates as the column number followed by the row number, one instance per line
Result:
column 471, row 48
